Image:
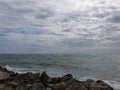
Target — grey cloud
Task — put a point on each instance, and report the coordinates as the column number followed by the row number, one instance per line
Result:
column 115, row 19
column 114, row 38
column 110, row 32
column 4, row 6
column 115, row 44
column 79, row 43
column 67, row 30
column 44, row 14
column 6, row 31
column 52, row 33
column 13, row 15
column 41, row 25
column 24, row 11
column 104, row 12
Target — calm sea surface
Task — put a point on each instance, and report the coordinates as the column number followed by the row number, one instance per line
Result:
column 82, row 67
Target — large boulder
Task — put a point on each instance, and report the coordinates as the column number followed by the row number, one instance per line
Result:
column 4, row 75
column 66, row 77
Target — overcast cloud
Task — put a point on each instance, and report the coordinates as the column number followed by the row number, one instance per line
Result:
column 60, row 26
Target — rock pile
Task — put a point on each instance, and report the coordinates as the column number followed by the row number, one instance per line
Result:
column 36, row 81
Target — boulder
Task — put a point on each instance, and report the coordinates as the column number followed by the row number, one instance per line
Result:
column 4, row 75
column 59, row 86
column 66, row 77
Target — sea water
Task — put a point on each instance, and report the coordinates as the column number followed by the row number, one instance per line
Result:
column 82, row 67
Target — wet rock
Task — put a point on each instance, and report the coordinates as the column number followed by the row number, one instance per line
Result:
column 55, row 80
column 104, row 85
column 66, row 77
column 2, row 69
column 44, row 77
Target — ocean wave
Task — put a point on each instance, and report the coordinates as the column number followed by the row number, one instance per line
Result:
column 9, row 68
column 16, row 69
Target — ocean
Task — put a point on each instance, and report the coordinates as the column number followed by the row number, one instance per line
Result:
column 82, row 67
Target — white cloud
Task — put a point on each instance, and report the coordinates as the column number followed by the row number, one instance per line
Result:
column 60, row 25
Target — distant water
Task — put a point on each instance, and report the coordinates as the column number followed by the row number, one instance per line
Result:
column 82, row 67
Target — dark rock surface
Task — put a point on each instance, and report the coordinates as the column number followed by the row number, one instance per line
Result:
column 37, row 81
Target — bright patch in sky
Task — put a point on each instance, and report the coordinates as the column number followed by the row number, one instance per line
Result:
column 60, row 26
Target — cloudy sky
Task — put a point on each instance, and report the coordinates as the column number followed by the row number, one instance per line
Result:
column 60, row 26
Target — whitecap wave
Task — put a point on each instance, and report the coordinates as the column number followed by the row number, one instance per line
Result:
column 9, row 68
column 16, row 69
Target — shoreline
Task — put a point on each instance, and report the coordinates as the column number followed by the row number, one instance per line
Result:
column 42, row 81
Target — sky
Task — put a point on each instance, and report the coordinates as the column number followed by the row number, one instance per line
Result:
column 60, row 26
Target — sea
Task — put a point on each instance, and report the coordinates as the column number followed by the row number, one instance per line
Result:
column 82, row 67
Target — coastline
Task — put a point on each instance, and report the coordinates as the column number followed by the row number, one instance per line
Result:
column 41, row 81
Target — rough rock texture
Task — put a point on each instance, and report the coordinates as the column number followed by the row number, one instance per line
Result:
column 4, row 75
column 36, row 81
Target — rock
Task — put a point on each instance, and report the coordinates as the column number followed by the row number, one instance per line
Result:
column 4, row 75
column 59, row 86
column 12, row 83
column 96, row 85
column 74, row 84
column 5, row 70
column 104, row 85
column 87, row 85
column 28, row 78
column 44, row 77
column 37, row 86
column 2, row 86
column 48, row 88
column 66, row 77
column 54, row 80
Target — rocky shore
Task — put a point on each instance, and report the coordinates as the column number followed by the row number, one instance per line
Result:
column 10, row 80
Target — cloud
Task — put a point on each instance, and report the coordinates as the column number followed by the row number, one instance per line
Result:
column 44, row 14
column 59, row 26
column 115, row 19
